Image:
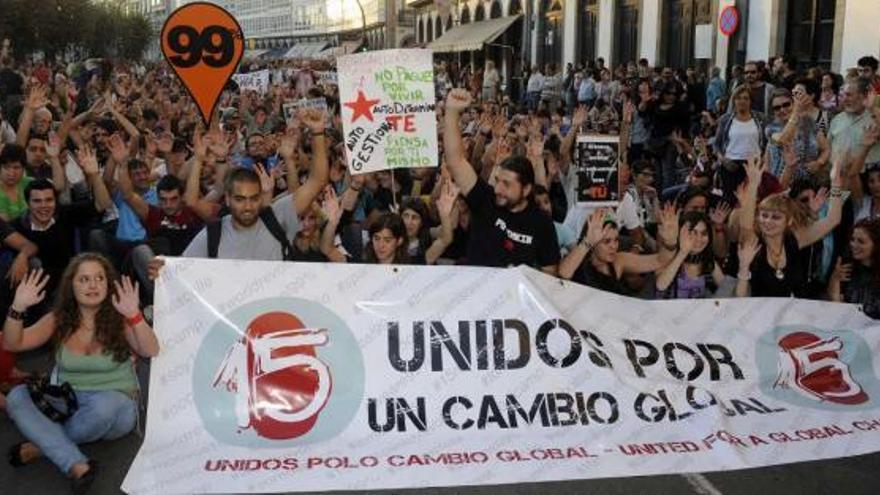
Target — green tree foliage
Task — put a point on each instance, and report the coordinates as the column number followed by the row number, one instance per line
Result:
column 56, row 26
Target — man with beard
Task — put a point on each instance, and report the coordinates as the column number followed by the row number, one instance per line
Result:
column 252, row 231
column 506, row 227
column 760, row 91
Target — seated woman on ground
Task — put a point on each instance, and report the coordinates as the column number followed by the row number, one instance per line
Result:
column 95, row 332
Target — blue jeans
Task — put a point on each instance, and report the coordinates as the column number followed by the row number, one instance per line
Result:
column 102, row 415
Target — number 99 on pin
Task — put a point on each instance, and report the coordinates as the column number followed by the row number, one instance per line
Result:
column 203, row 44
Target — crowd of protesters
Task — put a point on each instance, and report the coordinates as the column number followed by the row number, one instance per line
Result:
column 766, row 184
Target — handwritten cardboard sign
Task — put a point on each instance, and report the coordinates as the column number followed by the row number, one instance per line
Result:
column 387, row 109
column 253, row 81
column 328, row 77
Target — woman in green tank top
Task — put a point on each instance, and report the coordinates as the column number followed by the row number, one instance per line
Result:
column 96, row 335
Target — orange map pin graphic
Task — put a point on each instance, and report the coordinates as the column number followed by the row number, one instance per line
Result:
column 203, row 43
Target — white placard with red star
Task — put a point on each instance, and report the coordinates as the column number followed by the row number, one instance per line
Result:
column 388, row 105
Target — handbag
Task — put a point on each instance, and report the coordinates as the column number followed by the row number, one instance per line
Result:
column 56, row 402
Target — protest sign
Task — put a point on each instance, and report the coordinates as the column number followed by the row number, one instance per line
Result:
column 290, row 377
column 597, row 164
column 253, row 81
column 327, row 77
column 387, row 110
column 290, row 107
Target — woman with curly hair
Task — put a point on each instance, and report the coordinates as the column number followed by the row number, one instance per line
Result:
column 858, row 281
column 95, row 335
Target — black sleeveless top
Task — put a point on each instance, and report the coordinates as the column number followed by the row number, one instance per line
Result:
column 587, row 274
column 764, row 281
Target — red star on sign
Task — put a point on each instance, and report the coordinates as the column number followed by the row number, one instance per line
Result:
column 361, row 106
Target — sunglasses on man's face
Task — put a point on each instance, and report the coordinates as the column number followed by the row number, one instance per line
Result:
column 751, row 72
column 777, row 108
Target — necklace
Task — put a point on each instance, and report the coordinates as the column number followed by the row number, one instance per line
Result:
column 776, row 259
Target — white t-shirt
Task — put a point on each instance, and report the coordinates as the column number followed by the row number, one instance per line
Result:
column 744, row 140
column 631, row 213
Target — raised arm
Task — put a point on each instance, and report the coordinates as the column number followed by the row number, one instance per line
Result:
column 667, row 274
column 820, row 228
column 36, row 99
column 319, row 175
column 445, row 205
column 333, row 212
column 88, row 162
column 748, row 196
column 192, row 195
column 28, row 293
column 137, row 203
column 53, row 149
column 462, row 172
column 595, row 233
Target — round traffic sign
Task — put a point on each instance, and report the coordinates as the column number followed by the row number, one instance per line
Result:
column 728, row 21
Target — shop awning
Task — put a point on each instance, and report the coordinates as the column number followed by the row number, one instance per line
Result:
column 252, row 54
column 344, row 48
column 305, row 50
column 274, row 53
column 471, row 37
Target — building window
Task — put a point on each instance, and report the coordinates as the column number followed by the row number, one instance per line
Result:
column 809, row 33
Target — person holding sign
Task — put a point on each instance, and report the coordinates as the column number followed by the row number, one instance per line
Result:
column 506, row 227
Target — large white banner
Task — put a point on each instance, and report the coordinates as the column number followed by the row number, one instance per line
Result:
column 280, row 377
column 388, row 110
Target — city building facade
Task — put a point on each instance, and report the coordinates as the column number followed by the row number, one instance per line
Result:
column 680, row 33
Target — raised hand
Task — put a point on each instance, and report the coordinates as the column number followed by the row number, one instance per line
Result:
column 458, row 100
column 118, row 149
column 719, row 214
column 330, row 206
column 686, row 239
column 747, row 251
column 754, row 170
column 125, row 300
column 53, row 149
column 37, row 97
column 448, row 194
column 200, row 144
column 596, row 229
column 818, row 200
column 267, row 183
column 30, row 291
column 87, row 160
column 314, row 120
column 668, row 228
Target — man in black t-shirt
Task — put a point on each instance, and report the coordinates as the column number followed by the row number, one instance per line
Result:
column 506, row 227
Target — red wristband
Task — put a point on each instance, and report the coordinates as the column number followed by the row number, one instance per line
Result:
column 134, row 320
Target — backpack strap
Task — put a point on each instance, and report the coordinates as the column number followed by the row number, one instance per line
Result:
column 267, row 215
column 214, row 228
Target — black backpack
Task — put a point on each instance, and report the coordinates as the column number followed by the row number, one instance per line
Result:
column 267, row 216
